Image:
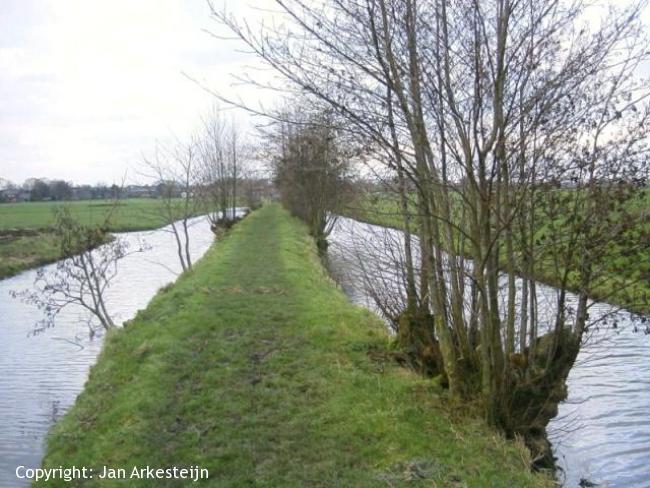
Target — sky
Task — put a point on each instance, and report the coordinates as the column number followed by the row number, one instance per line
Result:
column 87, row 86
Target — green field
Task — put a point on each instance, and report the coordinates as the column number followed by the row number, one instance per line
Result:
column 627, row 281
column 256, row 367
column 26, row 241
column 131, row 214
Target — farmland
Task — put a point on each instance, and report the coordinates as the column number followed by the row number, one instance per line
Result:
column 131, row 214
column 27, row 240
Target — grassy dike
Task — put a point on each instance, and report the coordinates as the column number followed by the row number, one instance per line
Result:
column 258, row 368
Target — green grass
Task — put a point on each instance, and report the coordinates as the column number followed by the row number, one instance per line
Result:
column 256, row 367
column 130, row 214
column 24, row 252
column 39, row 245
column 627, row 275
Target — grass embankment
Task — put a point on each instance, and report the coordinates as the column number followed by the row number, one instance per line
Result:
column 627, row 281
column 256, row 367
column 26, row 239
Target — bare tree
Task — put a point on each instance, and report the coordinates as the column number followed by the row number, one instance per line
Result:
column 84, row 275
column 176, row 172
column 223, row 156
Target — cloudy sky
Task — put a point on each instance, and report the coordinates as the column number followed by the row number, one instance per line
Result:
column 86, row 86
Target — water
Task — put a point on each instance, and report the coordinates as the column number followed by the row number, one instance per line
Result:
column 602, row 431
column 40, row 376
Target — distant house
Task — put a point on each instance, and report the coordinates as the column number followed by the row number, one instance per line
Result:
column 140, row 191
column 13, row 195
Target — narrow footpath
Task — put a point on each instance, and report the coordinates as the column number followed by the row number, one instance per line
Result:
column 257, row 368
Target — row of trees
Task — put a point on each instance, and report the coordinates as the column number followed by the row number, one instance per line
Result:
column 202, row 176
column 36, row 190
column 41, row 189
column 514, row 134
column 311, row 168
column 51, row 190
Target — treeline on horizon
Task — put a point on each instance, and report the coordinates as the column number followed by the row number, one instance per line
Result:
column 44, row 189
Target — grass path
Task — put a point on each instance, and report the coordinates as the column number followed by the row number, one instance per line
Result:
column 257, row 368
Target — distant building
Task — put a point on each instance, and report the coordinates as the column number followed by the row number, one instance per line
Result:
column 12, row 195
column 140, row 191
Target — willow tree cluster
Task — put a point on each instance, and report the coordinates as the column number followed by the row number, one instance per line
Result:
column 515, row 134
column 310, row 171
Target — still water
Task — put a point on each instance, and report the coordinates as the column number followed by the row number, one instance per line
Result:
column 41, row 375
column 601, row 434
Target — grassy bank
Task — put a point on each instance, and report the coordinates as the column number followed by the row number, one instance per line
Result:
column 628, row 283
column 26, row 240
column 257, row 368
column 21, row 251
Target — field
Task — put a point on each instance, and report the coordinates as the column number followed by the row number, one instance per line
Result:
column 131, row 214
column 257, row 368
column 627, row 281
column 26, row 240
